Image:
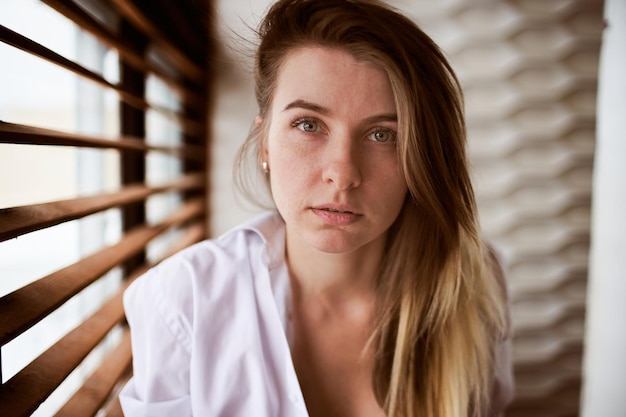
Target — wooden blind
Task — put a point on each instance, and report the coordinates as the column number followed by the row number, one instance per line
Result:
column 163, row 40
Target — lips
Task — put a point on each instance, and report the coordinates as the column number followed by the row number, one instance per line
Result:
column 337, row 215
column 333, row 210
column 337, row 208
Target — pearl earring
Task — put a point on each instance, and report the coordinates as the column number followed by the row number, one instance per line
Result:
column 265, row 167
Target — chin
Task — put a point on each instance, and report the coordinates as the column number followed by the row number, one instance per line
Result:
column 336, row 243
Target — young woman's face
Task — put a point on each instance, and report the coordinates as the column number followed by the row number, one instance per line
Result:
column 331, row 150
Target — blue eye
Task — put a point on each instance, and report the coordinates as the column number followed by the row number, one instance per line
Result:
column 307, row 125
column 383, row 136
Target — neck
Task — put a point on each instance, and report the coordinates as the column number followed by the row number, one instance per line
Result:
column 333, row 278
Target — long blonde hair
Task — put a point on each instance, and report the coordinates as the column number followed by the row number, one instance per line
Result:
column 441, row 308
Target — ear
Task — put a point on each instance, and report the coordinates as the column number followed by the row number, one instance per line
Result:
column 262, row 150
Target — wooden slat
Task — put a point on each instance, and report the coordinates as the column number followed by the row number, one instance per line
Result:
column 177, row 58
column 189, row 126
column 24, row 393
column 113, row 408
column 10, row 37
column 192, row 234
column 88, row 23
column 30, row 135
column 33, row 384
column 17, row 221
column 27, row 45
column 29, row 388
column 26, row 306
column 98, row 387
column 191, row 33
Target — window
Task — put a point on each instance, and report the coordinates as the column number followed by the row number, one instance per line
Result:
column 102, row 171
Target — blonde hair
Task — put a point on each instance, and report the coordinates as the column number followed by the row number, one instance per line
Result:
column 441, row 306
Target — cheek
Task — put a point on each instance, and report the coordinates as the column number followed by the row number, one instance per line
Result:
column 396, row 196
column 285, row 178
column 291, row 166
column 394, row 190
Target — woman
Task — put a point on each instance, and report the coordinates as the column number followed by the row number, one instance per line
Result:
column 368, row 292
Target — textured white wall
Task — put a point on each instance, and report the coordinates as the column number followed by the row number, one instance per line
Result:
column 605, row 355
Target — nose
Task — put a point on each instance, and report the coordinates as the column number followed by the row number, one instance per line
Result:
column 341, row 165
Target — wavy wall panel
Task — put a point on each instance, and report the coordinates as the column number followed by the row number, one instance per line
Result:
column 529, row 69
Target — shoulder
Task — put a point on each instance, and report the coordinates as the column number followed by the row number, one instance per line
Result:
column 207, row 267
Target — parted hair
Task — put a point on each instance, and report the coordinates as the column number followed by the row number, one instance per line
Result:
column 441, row 305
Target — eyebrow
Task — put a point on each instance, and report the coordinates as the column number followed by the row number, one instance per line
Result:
column 303, row 104
column 306, row 105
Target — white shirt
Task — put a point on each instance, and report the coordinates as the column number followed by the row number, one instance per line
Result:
column 209, row 330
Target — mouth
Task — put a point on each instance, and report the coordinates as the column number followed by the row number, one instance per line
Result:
column 337, row 216
column 337, row 209
column 333, row 210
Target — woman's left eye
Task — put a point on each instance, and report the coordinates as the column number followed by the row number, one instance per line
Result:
column 383, row 136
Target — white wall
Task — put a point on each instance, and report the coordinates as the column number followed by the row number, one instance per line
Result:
column 235, row 107
column 605, row 344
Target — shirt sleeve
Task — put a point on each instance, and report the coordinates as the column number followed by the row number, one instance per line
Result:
column 503, row 383
column 161, row 348
column 502, row 390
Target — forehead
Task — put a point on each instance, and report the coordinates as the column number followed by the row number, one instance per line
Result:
column 332, row 76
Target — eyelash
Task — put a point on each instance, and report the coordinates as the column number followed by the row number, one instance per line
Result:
column 297, row 122
column 301, row 120
column 391, row 132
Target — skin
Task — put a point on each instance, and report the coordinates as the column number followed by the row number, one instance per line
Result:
column 331, row 145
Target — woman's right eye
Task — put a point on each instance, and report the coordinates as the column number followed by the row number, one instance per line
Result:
column 306, row 125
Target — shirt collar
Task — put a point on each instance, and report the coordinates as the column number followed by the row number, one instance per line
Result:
column 270, row 227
